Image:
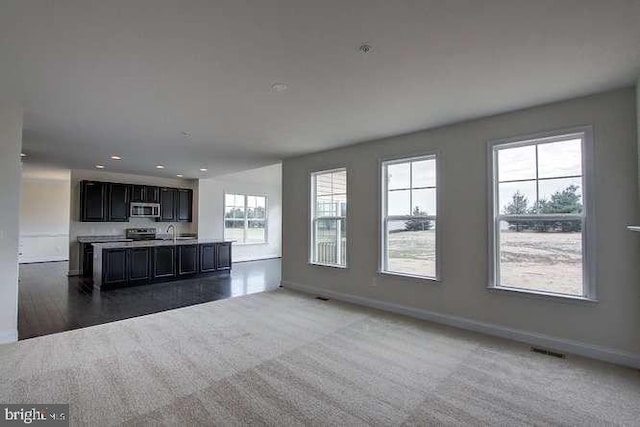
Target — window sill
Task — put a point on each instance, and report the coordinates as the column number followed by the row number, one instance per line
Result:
column 410, row 276
column 542, row 295
column 318, row 264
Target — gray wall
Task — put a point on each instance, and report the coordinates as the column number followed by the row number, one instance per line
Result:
column 613, row 322
column 10, row 146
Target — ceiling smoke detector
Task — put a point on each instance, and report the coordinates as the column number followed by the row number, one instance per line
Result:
column 365, row 48
column 279, row 87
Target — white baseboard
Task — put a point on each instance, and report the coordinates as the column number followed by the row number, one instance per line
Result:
column 256, row 258
column 552, row 343
column 36, row 260
column 8, row 336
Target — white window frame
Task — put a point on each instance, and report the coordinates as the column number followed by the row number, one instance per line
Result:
column 246, row 218
column 589, row 273
column 385, row 218
column 313, row 219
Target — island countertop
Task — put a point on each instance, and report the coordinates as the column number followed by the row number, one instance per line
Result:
column 155, row 243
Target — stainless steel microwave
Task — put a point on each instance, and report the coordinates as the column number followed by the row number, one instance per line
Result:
column 144, row 210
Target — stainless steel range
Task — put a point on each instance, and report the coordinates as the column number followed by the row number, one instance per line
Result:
column 141, row 233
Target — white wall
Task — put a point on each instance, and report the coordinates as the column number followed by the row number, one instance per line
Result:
column 44, row 219
column 262, row 181
column 612, row 324
column 78, row 228
column 10, row 146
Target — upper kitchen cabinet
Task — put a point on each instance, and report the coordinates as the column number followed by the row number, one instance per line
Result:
column 93, row 200
column 145, row 194
column 118, row 202
column 184, row 208
column 176, row 205
column 168, row 204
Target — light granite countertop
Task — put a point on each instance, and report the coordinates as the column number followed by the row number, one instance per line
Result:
column 155, row 243
column 102, row 239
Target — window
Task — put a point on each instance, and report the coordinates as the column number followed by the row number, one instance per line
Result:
column 540, row 215
column 329, row 218
column 409, row 217
column 245, row 218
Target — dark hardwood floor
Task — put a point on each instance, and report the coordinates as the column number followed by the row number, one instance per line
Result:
column 51, row 302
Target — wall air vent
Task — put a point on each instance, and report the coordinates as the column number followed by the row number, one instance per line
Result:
column 548, row 352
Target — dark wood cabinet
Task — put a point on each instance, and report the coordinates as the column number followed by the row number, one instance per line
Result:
column 223, row 256
column 168, row 202
column 164, row 262
column 129, row 266
column 114, row 267
column 139, row 265
column 92, row 201
column 144, row 194
column 184, row 206
column 208, row 258
column 86, row 250
column 109, row 202
column 187, row 260
column 151, row 194
column 118, row 203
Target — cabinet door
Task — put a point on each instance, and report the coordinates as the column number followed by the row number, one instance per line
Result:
column 92, row 203
column 118, row 203
column 184, row 210
column 223, row 256
column 87, row 259
column 151, row 194
column 139, row 265
column 114, row 266
column 207, row 258
column 187, row 259
column 138, row 193
column 164, row 262
column 167, row 204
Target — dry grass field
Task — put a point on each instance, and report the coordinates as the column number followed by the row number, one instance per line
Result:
column 550, row 262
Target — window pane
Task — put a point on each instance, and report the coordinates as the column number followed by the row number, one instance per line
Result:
column 424, row 202
column 411, row 247
column 234, row 212
column 330, row 244
column 562, row 195
column 398, row 176
column 323, row 184
column 517, row 198
column 559, row 159
column 234, row 230
column 256, row 231
column 424, row 173
column 339, row 182
column 542, row 256
column 517, row 163
column 398, row 202
column 256, row 207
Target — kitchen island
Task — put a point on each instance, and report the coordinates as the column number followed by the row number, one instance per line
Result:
column 118, row 264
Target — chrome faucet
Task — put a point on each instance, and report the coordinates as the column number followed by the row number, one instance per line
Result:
column 173, row 228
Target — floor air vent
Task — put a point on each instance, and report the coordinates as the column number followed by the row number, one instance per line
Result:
column 548, row 352
column 322, row 298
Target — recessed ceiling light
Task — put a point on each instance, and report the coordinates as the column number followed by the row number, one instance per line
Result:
column 279, row 87
column 159, row 167
column 185, row 133
column 100, row 166
column 23, row 155
column 179, row 175
column 116, row 158
column 203, row 169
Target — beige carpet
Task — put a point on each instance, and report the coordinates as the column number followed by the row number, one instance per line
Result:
column 283, row 358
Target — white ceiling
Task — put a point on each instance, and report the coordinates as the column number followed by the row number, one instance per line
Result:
column 127, row 76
